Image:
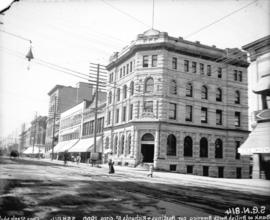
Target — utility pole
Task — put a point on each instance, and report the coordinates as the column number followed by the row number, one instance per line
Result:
column 98, row 77
column 96, row 111
column 35, row 128
column 54, row 116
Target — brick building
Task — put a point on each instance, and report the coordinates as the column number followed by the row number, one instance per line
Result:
column 178, row 104
column 61, row 99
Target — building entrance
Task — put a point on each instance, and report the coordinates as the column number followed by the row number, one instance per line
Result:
column 148, row 153
column 147, row 148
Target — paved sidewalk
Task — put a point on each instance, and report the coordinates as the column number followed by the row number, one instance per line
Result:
column 256, row 186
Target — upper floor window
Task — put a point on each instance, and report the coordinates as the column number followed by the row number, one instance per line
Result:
column 204, row 92
column 124, row 71
column 131, row 88
column 173, row 87
column 174, row 63
column 171, row 145
column 186, row 65
column 194, row 67
column 145, row 61
column 148, row 106
column 124, row 91
column 237, row 97
column 189, row 90
column 124, row 113
column 235, row 75
column 237, row 145
column 130, row 111
column 115, row 146
column 204, row 115
column 154, row 60
column 219, row 117
column 240, row 75
column 149, row 85
column 117, row 116
column 172, row 111
column 118, row 94
column 111, row 77
column 120, row 72
column 128, row 151
column 201, row 68
column 109, row 118
column 130, row 66
column 237, row 121
column 219, row 95
column 209, row 70
column 189, row 113
column 218, row 149
column 110, row 97
column 219, row 75
column 127, row 68
column 122, row 144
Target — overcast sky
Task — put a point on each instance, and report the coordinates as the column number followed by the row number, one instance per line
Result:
column 73, row 33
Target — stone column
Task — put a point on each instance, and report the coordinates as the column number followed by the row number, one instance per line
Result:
column 135, row 146
column 256, row 166
column 156, row 148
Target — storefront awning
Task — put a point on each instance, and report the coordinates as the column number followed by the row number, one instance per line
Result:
column 85, row 145
column 37, row 150
column 263, row 85
column 258, row 141
column 64, row 145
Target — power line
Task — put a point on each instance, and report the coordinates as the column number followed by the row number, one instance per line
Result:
column 15, row 35
column 220, row 19
column 125, row 13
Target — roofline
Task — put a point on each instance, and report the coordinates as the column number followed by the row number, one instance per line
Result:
column 254, row 43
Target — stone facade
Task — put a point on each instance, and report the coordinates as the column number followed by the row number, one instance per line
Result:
column 171, row 89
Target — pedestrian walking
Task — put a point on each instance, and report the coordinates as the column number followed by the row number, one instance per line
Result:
column 78, row 159
column 65, row 157
column 111, row 168
column 150, row 173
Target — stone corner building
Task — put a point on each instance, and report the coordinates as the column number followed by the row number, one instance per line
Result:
column 178, row 104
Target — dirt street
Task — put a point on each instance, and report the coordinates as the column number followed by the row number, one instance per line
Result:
column 31, row 188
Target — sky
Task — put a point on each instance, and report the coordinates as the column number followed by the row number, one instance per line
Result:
column 75, row 33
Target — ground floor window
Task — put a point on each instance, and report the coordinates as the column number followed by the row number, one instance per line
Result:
column 172, row 167
column 220, row 172
column 189, row 169
column 205, row 171
column 238, row 172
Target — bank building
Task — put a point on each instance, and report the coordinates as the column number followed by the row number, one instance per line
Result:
column 178, row 104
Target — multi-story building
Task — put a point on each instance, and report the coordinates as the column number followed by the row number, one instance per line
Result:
column 61, row 99
column 178, row 104
column 258, row 142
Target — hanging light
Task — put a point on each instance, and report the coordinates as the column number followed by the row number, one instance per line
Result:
column 29, row 55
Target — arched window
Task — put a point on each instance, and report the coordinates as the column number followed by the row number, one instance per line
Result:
column 171, row 145
column 110, row 97
column 188, row 147
column 173, row 87
column 115, row 145
column 204, row 92
column 218, row 149
column 107, row 143
column 189, row 90
column 203, row 147
column 122, row 144
column 219, row 95
column 124, row 91
column 118, row 94
column 237, row 97
column 149, row 85
column 132, row 88
column 129, row 145
column 148, row 137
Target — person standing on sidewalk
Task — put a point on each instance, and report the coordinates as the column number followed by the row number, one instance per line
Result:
column 151, row 169
column 78, row 159
column 111, row 168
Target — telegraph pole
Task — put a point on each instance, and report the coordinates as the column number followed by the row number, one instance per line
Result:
column 96, row 111
column 35, row 128
column 54, row 115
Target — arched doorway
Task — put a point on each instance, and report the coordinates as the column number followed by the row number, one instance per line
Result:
column 147, row 148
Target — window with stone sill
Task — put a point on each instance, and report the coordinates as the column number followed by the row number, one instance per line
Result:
column 186, row 66
column 202, row 68
column 118, row 95
column 204, row 115
column 148, row 106
column 173, row 87
column 154, row 60
column 219, row 95
column 189, row 90
column 145, row 61
column 203, row 147
column 188, row 113
column 174, row 63
column 219, row 75
column 194, row 67
column 209, row 71
column 124, row 91
column 237, row 97
column 149, row 85
column 172, row 111
column 188, row 147
column 237, row 121
column 131, row 88
column 204, row 92
column 219, row 117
